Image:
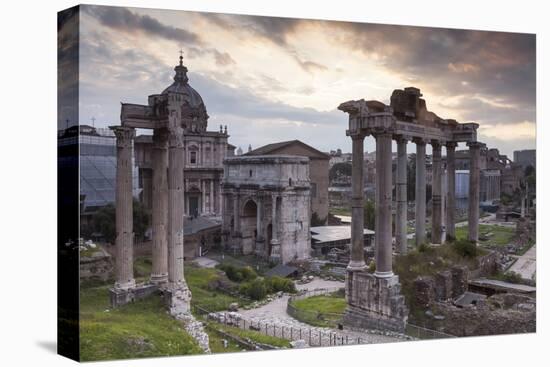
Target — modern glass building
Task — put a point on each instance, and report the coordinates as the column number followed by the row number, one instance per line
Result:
column 97, row 154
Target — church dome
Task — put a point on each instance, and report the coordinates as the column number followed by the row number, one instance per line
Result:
column 194, row 107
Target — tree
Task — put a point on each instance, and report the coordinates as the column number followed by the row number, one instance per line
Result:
column 339, row 169
column 104, row 221
column 369, row 214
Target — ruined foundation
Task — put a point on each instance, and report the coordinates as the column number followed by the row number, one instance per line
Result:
column 374, row 302
column 120, row 296
column 178, row 299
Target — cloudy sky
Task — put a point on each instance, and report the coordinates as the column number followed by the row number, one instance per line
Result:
column 273, row 79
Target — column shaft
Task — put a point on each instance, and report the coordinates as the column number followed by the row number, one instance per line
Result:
column 357, row 259
column 451, row 206
column 384, row 197
column 236, row 217
column 473, row 202
column 436, row 193
column 175, row 210
column 274, row 221
column 420, row 193
column 401, row 196
column 159, row 271
column 211, row 197
column 124, row 209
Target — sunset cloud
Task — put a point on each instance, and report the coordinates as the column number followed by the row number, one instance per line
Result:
column 260, row 74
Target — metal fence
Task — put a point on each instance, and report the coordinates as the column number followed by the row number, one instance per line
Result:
column 312, row 336
column 420, row 332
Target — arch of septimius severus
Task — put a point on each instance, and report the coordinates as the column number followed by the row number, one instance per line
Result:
column 375, row 300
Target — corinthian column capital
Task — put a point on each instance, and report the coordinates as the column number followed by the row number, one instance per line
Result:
column 124, row 135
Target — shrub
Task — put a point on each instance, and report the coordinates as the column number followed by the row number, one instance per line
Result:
column 279, row 284
column 372, row 267
column 238, row 274
column 255, row 289
column 423, row 247
column 465, row 248
column 248, row 273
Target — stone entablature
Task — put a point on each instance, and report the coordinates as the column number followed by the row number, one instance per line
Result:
column 266, row 201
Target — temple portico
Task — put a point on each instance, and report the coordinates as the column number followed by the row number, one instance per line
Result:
column 172, row 115
column 374, row 299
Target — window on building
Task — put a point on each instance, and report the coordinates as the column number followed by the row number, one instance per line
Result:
column 193, row 158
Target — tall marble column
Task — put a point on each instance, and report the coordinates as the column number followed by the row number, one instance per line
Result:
column 473, row 199
column 436, row 193
column 451, row 206
column 175, row 210
column 357, row 259
column 420, row 192
column 124, row 209
column 384, row 198
column 159, row 271
column 401, row 196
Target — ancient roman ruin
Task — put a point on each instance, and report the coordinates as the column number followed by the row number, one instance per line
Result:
column 265, row 200
column 267, row 203
column 374, row 300
column 179, row 109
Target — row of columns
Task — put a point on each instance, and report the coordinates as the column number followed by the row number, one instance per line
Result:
column 168, row 208
column 383, row 230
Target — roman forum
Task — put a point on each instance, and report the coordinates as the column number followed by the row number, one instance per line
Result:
column 265, row 203
column 374, row 300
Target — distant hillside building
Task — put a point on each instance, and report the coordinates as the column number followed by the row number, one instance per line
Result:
column 318, row 171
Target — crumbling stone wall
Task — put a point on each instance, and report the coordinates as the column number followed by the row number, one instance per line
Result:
column 443, row 285
column 424, row 293
column 459, row 276
column 491, row 317
column 99, row 266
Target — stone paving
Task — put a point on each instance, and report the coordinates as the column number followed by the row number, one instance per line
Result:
column 526, row 264
column 279, row 323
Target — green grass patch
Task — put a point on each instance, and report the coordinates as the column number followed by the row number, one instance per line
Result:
column 137, row 330
column 322, row 310
column 496, row 235
column 341, row 211
column 200, row 282
column 253, row 335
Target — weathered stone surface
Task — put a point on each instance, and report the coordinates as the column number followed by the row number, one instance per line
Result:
column 195, row 328
column 459, row 276
column 424, row 291
column 443, row 285
column 374, row 303
column 119, row 296
column 267, row 206
column 486, row 318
